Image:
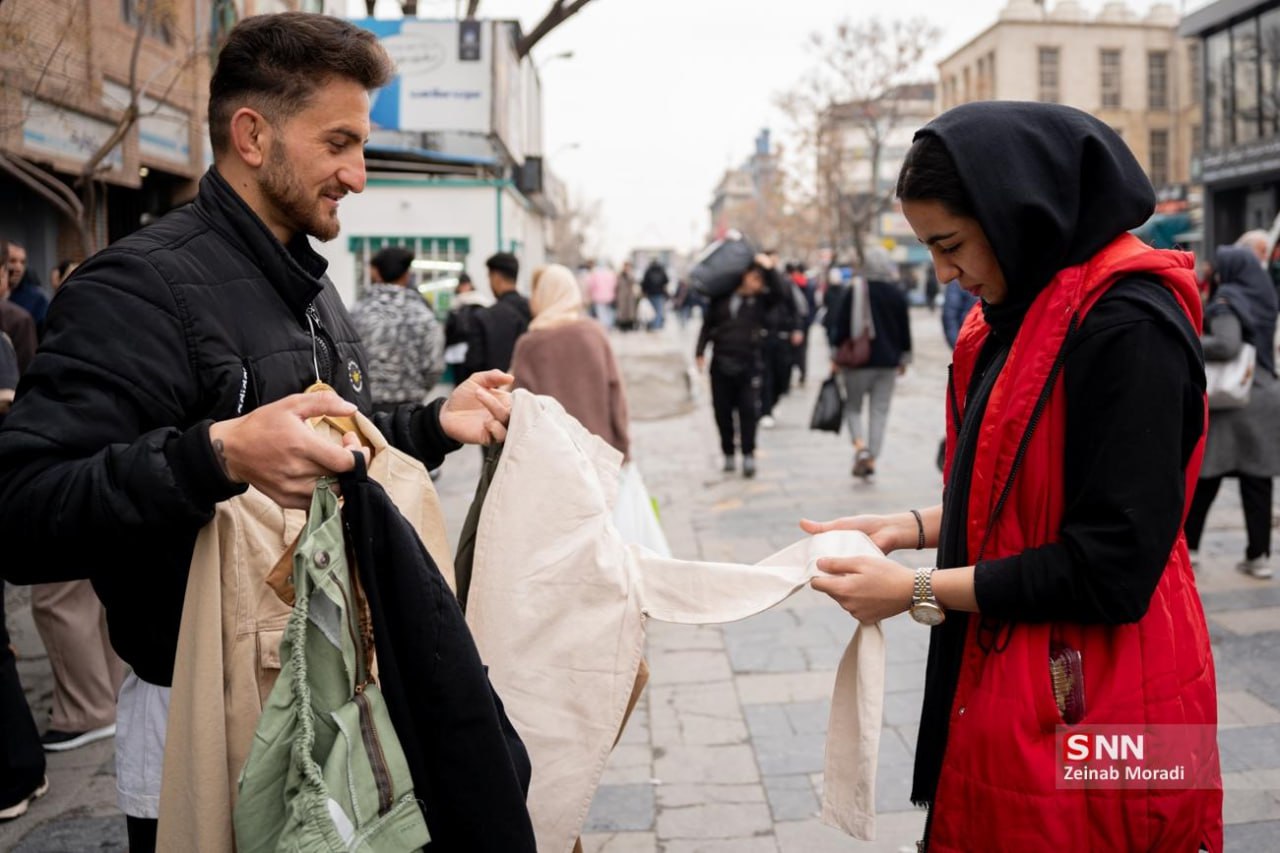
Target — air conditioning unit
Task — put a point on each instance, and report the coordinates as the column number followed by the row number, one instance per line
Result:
column 528, row 176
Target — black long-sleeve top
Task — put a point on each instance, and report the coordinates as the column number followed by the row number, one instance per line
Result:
column 1134, row 384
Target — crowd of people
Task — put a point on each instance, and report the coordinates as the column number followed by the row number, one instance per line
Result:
column 1081, row 455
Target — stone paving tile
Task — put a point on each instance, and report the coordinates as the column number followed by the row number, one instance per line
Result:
column 791, row 797
column 1249, row 748
column 620, row 842
column 751, row 844
column 621, row 808
column 1255, row 620
column 629, row 764
column 785, row 687
column 790, row 754
column 714, row 821
column 1260, row 837
column 1241, row 708
column 99, row 834
column 725, row 765
column 675, row 796
column 895, row 833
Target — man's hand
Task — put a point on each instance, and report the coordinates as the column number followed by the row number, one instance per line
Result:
column 797, row 338
column 764, row 260
column 274, row 450
column 701, row 362
column 869, row 588
column 478, row 410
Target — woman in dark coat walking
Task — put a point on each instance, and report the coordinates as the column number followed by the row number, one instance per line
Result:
column 1243, row 443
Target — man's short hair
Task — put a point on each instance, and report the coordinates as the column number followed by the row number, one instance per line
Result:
column 276, row 63
column 505, row 264
column 392, row 263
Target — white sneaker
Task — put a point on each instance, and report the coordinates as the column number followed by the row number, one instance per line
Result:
column 768, row 422
column 58, row 741
column 1258, row 567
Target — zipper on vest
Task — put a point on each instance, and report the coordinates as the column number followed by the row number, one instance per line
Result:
column 373, row 746
column 1041, row 403
column 322, row 346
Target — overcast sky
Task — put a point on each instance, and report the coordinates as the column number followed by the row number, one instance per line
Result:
column 661, row 96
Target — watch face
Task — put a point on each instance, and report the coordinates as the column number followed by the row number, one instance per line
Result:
column 927, row 613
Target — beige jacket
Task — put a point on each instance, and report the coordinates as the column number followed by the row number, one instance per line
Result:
column 558, row 604
column 228, row 646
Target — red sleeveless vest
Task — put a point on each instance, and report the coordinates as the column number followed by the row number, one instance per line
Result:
column 1000, row 786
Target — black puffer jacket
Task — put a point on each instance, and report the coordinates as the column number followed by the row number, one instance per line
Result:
column 106, row 470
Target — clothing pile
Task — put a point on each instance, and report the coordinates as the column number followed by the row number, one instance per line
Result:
column 379, row 589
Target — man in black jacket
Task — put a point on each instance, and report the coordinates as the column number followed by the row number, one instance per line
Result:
column 654, row 288
column 735, row 326
column 501, row 323
column 170, row 374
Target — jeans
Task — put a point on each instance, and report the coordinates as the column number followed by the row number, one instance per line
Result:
column 604, row 313
column 877, row 382
column 659, row 304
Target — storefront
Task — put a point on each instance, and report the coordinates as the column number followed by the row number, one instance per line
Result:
column 1239, row 160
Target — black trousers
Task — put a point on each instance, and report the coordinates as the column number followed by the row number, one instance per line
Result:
column 1255, row 495
column 737, row 393
column 21, row 756
column 778, row 361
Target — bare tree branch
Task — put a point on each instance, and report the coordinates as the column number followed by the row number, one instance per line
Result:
column 472, row 6
column 555, row 16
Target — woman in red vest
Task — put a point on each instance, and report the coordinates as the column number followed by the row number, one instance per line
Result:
column 1063, row 608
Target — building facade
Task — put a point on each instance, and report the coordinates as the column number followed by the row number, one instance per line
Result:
column 1135, row 73
column 1240, row 161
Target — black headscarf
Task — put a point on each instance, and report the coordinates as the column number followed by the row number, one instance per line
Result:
column 1245, row 286
column 1050, row 185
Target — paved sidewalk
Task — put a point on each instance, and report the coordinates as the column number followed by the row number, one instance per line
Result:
column 724, row 752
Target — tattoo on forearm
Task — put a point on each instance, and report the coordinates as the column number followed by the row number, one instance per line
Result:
column 220, row 452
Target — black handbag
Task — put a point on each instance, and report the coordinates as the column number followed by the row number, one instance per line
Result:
column 828, row 409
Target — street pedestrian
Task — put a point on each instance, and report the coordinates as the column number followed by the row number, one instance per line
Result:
column 25, row 290
column 784, row 323
column 499, row 325
column 401, row 335
column 800, row 351
column 602, row 287
column 627, row 299
column 874, row 306
column 462, row 327
column 1063, row 591
column 15, row 321
column 654, row 285
column 567, row 356
column 1243, row 442
column 956, row 304
column 171, row 375
column 735, row 327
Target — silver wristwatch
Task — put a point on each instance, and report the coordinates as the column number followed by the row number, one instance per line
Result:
column 924, row 607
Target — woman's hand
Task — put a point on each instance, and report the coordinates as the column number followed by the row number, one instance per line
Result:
column 870, row 588
column 888, row 532
column 478, row 410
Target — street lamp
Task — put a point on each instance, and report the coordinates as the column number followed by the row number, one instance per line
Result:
column 566, row 54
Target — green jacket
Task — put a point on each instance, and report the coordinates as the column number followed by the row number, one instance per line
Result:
column 326, row 771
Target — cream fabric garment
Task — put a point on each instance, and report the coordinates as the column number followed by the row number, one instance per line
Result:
column 229, row 642
column 558, row 604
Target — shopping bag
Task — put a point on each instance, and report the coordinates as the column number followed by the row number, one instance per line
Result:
column 828, row 409
column 634, row 514
column 1227, row 383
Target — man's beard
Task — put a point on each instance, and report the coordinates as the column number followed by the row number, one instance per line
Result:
column 300, row 211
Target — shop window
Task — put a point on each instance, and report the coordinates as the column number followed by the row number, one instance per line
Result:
column 1245, row 79
column 1048, row 61
column 1158, row 155
column 1109, row 65
column 1158, row 79
column 1269, row 70
column 437, row 263
column 1194, row 62
column 157, row 19
column 1217, row 106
